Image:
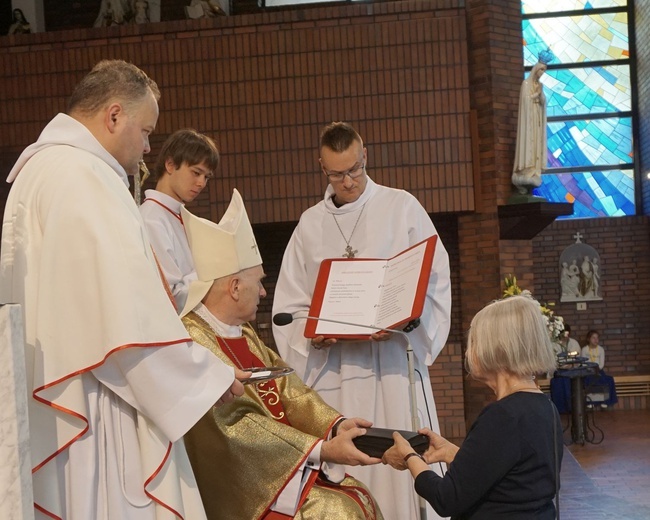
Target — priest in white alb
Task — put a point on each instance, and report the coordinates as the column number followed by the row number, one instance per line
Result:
column 114, row 381
column 359, row 218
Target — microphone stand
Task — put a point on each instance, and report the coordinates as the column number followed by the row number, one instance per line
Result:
column 415, row 422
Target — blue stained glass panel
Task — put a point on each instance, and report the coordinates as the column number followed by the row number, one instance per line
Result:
column 587, row 91
column 577, row 39
column 587, row 143
column 551, row 6
column 593, row 194
column 584, row 91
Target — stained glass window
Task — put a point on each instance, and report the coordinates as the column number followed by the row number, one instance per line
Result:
column 594, row 194
column 589, row 103
column 576, row 39
column 590, row 90
column 589, row 142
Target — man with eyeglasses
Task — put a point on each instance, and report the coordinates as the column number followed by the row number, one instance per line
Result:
column 359, row 218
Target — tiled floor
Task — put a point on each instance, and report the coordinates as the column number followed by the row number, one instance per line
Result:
column 610, row 480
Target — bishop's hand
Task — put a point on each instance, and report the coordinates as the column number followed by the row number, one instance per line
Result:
column 341, row 449
column 236, row 389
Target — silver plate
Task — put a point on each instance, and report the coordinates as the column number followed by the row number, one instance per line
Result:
column 261, row 374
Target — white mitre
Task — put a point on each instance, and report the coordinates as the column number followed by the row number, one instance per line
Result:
column 220, row 249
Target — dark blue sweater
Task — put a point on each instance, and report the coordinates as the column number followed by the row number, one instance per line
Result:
column 505, row 468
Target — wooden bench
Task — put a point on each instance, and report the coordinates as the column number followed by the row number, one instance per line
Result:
column 632, row 385
column 632, row 391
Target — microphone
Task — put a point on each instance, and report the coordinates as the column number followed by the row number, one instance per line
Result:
column 284, row 318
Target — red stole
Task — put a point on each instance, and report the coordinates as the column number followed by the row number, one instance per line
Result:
column 361, row 496
column 238, row 352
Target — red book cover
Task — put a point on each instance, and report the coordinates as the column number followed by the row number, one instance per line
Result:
column 382, row 293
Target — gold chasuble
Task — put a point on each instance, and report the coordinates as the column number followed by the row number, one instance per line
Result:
column 244, row 452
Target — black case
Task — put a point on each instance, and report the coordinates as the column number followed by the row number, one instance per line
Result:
column 377, row 440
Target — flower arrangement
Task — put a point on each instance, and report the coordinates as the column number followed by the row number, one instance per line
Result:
column 554, row 323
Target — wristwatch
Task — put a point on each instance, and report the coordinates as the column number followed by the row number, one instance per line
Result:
column 413, row 454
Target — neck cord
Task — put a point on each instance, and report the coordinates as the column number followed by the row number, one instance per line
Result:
column 234, row 356
column 349, row 253
column 511, row 388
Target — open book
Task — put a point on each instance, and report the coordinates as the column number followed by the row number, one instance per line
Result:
column 378, row 292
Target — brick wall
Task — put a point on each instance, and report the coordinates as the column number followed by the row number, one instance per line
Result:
column 433, row 88
column 263, row 85
column 622, row 316
column 496, row 72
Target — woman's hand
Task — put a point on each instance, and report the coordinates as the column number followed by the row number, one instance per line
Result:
column 394, row 456
column 440, row 449
column 402, row 456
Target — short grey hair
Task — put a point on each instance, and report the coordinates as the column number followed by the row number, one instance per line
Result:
column 510, row 335
column 111, row 80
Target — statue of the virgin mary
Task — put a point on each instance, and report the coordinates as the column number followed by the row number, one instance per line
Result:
column 531, row 150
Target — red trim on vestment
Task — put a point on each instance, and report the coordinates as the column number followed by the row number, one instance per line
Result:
column 274, row 515
column 235, row 344
column 164, row 281
column 79, row 372
column 308, row 486
column 347, row 491
column 163, row 206
column 45, row 512
column 306, row 489
column 79, row 416
column 155, row 473
column 92, row 367
column 67, row 444
column 333, row 423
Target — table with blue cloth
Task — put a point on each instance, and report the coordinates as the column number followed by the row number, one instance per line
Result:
column 600, row 389
column 568, row 394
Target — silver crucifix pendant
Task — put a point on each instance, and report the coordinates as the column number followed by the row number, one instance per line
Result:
column 349, row 253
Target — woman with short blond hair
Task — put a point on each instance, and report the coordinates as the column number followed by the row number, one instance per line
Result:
column 509, row 464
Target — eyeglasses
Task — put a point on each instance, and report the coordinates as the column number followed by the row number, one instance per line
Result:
column 354, row 173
